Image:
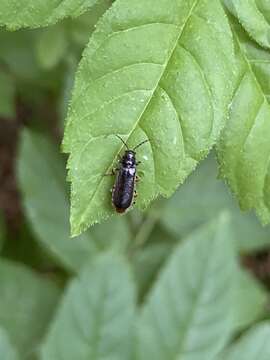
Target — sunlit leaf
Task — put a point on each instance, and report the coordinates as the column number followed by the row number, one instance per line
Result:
column 244, row 150
column 35, row 13
column 161, row 73
column 254, row 15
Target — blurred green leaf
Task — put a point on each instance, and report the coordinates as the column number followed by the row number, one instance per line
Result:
column 41, row 177
column 254, row 16
column 201, row 198
column 188, row 314
column 51, row 46
column 35, row 13
column 113, row 234
column 96, row 316
column 7, row 351
column 81, row 27
column 147, row 262
column 148, row 72
column 244, row 149
column 253, row 345
column 27, row 303
column 42, row 182
column 18, row 53
column 7, row 95
column 2, row 232
column 251, row 300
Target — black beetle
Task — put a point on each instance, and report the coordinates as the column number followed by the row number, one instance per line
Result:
column 124, row 187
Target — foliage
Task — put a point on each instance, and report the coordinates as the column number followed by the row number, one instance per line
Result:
column 189, row 277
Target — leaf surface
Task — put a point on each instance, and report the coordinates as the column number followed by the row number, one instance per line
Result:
column 42, row 182
column 7, row 351
column 161, row 73
column 190, row 305
column 254, row 15
column 35, row 13
column 251, row 300
column 201, row 198
column 27, row 303
column 244, row 150
column 253, row 345
column 96, row 316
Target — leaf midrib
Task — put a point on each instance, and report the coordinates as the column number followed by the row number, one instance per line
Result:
column 146, row 105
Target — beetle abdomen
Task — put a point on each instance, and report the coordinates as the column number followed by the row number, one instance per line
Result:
column 123, row 191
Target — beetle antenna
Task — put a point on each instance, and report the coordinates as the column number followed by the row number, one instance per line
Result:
column 140, row 144
column 119, row 137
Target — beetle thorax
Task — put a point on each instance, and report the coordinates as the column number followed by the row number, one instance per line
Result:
column 129, row 159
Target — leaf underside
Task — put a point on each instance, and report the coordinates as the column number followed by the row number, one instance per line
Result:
column 35, row 13
column 161, row 73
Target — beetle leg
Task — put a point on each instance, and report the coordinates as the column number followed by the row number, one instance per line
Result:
column 137, row 178
column 138, row 162
column 112, row 173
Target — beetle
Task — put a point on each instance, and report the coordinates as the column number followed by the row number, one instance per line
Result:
column 124, row 191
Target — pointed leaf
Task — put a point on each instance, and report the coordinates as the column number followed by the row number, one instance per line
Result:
column 96, row 316
column 244, row 151
column 188, row 313
column 253, row 345
column 27, row 303
column 35, row 13
column 149, row 72
column 254, row 15
column 7, row 351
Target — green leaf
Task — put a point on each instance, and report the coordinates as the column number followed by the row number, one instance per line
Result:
column 27, row 302
column 41, row 177
column 253, row 345
column 251, row 300
column 81, row 27
column 254, row 15
column 244, row 150
column 96, row 316
column 161, row 73
column 35, row 13
column 201, row 198
column 7, row 351
column 188, row 314
column 51, row 46
column 2, row 232
column 147, row 262
column 7, row 94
